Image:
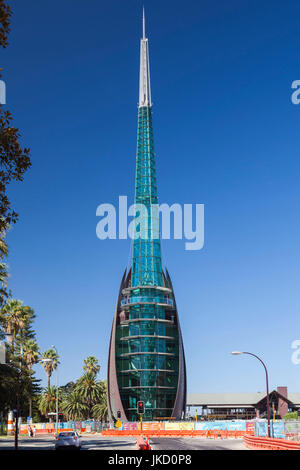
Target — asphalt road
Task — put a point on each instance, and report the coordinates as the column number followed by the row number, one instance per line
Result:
column 88, row 443
column 194, row 443
column 98, row 442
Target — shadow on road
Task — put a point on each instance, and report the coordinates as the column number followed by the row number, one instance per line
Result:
column 105, row 443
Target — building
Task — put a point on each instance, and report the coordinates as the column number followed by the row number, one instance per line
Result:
column 242, row 405
column 146, row 355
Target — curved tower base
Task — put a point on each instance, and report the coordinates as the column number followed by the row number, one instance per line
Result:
column 146, row 357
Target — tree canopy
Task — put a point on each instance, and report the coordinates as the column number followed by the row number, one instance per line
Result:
column 14, row 160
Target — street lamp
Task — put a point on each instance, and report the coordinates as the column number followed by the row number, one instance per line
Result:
column 56, row 390
column 51, row 360
column 237, row 353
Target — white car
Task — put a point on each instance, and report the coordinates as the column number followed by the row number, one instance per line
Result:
column 68, row 440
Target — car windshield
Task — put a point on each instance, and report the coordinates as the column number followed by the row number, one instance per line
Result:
column 66, row 434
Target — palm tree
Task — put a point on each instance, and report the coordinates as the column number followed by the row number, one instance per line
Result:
column 91, row 365
column 47, row 401
column 90, row 390
column 3, row 245
column 4, row 294
column 30, row 356
column 51, row 364
column 73, row 406
column 14, row 316
column 100, row 410
column 3, row 282
column 30, row 352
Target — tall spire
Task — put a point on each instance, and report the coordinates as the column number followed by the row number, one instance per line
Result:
column 145, row 89
column 144, row 24
column 146, row 259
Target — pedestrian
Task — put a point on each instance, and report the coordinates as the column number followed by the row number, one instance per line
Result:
column 33, row 430
column 29, row 430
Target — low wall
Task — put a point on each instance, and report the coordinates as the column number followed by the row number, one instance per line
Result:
column 266, row 443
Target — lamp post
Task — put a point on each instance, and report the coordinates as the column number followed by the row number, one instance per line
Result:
column 56, row 391
column 236, row 353
column 51, row 360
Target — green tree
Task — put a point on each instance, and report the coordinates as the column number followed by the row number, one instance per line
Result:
column 14, row 161
column 4, row 274
column 51, row 362
column 15, row 317
column 30, row 352
column 90, row 390
column 8, row 387
column 292, row 415
column 30, row 357
column 3, row 246
column 5, row 13
column 68, row 388
column 17, row 387
column 73, row 406
column 19, row 383
column 100, row 410
column 47, row 401
column 91, row 365
column 3, row 282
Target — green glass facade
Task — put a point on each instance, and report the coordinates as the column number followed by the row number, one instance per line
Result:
column 147, row 343
column 146, row 259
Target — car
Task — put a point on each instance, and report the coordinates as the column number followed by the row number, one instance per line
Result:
column 68, row 440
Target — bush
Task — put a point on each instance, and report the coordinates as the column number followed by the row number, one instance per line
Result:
column 291, row 415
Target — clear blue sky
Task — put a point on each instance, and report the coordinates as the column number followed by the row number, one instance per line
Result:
column 226, row 135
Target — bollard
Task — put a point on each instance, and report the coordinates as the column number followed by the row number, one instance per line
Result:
column 10, row 425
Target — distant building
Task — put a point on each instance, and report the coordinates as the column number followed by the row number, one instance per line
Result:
column 242, row 405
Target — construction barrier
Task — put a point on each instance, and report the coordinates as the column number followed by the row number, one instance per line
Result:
column 10, row 423
column 49, row 430
column 181, row 426
column 270, row 444
column 230, row 425
column 142, row 443
column 215, row 434
column 42, row 428
column 237, row 425
column 97, row 426
column 277, row 429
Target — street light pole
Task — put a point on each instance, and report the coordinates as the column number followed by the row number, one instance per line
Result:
column 51, row 360
column 56, row 391
column 235, row 353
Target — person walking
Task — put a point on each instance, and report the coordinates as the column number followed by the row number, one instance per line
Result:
column 29, row 430
column 33, row 430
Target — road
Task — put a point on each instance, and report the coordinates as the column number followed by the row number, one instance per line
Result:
column 98, row 442
column 194, row 443
column 88, row 443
